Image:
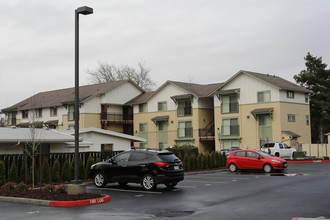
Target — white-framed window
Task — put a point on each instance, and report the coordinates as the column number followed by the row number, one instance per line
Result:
column 307, row 119
column 230, row 126
column 184, row 108
column 25, row 114
column 291, row 117
column 185, row 129
column 264, row 96
column 53, row 111
column 306, row 97
column 143, row 107
column 162, row 106
column 229, row 104
column 290, row 94
column 71, row 113
column 39, row 113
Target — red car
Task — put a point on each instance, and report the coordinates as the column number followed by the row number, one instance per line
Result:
column 254, row 160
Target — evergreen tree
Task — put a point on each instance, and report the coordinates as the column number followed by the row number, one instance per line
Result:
column 56, row 171
column 13, row 173
column 89, row 163
column 317, row 79
column 22, row 173
column 66, row 171
column 2, row 173
column 45, row 172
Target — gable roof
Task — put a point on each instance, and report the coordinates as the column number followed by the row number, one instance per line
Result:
column 197, row 90
column 276, row 81
column 62, row 96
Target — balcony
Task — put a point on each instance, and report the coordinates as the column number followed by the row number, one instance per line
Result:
column 206, row 134
column 115, row 118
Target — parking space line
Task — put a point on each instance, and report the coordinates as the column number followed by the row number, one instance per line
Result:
column 126, row 190
column 193, row 181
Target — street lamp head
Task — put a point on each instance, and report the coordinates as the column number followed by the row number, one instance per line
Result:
column 84, row 10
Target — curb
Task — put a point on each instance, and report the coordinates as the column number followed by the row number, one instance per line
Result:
column 309, row 161
column 104, row 199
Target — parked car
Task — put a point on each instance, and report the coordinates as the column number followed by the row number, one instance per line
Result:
column 147, row 167
column 278, row 149
column 253, row 160
column 227, row 151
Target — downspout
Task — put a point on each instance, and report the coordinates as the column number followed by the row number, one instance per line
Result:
column 18, row 143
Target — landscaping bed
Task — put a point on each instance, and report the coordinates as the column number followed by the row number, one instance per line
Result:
column 48, row 192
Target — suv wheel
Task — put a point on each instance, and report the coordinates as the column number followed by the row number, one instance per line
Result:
column 148, row 182
column 99, row 180
column 170, row 185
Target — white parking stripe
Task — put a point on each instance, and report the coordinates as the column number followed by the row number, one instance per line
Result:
column 126, row 190
column 193, row 181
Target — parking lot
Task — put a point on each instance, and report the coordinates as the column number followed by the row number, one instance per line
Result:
column 302, row 191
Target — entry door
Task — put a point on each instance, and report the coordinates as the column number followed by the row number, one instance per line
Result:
column 265, row 129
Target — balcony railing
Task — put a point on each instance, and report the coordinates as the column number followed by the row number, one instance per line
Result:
column 116, row 118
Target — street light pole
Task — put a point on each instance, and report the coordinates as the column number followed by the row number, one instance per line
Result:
column 85, row 11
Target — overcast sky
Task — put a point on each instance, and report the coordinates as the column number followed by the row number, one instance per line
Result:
column 199, row 41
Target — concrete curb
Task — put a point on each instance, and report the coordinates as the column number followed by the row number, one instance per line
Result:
column 308, row 161
column 104, row 199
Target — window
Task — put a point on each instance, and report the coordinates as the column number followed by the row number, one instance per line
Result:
column 162, row 145
column 106, row 147
column 143, row 107
column 25, row 114
column 162, row 126
column 143, row 127
column 143, row 145
column 53, row 111
column 264, row 96
column 306, row 97
column 184, row 108
column 290, row 94
column 122, row 158
column 265, row 120
column 251, row 154
column 39, row 112
column 240, row 154
column 71, row 113
column 11, row 118
column 162, row 106
column 291, row 118
column 230, row 127
column 307, row 119
column 228, row 144
column 229, row 104
column 185, row 129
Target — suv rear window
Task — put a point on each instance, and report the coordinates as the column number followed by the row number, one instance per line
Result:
column 269, row 145
column 168, row 157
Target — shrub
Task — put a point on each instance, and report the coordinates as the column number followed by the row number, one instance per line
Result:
column 192, row 161
column 66, row 171
column 2, row 173
column 183, row 149
column 22, row 173
column 13, row 173
column 213, row 160
column 186, row 162
column 217, row 159
column 21, row 187
column 48, row 188
column 89, row 163
column 59, row 188
column 200, row 161
column 8, row 186
column 56, row 171
column 206, row 160
column 45, row 171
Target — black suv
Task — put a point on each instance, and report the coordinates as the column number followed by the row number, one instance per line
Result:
column 148, row 167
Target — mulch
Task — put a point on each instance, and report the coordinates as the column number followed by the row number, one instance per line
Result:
column 52, row 196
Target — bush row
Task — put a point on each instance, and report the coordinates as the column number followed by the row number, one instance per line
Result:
column 48, row 174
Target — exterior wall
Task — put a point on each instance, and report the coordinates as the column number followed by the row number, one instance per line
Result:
column 11, row 148
column 299, row 126
column 121, row 94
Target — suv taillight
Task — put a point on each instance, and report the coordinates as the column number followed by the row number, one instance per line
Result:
column 269, row 150
column 163, row 165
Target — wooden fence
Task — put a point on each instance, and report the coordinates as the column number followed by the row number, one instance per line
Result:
column 51, row 157
column 317, row 150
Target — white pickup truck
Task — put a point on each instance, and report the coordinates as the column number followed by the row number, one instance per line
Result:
column 278, row 149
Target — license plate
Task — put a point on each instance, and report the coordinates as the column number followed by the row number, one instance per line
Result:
column 176, row 167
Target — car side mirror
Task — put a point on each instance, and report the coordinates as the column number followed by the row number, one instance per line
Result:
column 258, row 157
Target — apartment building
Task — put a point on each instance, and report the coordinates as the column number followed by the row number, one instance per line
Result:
column 101, row 106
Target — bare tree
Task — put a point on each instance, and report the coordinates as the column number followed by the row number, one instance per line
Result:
column 35, row 136
column 109, row 73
